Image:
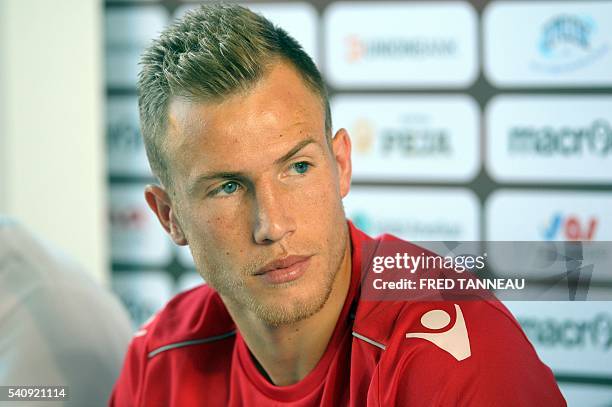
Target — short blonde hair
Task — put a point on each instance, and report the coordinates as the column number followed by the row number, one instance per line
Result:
column 213, row 52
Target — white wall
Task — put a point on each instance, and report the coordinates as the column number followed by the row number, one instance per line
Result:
column 52, row 154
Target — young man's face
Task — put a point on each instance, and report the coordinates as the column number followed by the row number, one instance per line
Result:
column 254, row 182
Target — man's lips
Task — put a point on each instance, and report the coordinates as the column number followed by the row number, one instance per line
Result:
column 284, row 270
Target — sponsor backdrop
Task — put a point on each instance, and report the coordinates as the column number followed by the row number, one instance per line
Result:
column 470, row 121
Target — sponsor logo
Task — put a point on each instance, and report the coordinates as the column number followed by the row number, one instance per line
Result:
column 363, row 134
column 123, row 135
column 126, row 151
column 410, row 228
column 523, row 215
column 407, row 140
column 559, row 43
column 128, row 218
column 416, row 141
column 566, row 141
column 570, row 333
column 550, row 138
column 419, row 214
column 358, row 48
column 455, row 341
column 570, row 228
column 396, row 44
column 136, row 236
column 568, row 42
column 401, row 137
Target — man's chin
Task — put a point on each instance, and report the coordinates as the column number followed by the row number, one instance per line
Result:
column 281, row 317
column 287, row 309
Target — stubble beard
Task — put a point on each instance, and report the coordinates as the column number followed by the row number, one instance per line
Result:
column 275, row 310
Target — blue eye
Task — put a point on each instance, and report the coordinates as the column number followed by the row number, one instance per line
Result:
column 301, row 167
column 229, row 187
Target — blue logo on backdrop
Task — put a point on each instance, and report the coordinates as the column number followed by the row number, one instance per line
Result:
column 568, row 43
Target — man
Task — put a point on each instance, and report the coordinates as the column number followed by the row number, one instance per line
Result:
column 237, row 127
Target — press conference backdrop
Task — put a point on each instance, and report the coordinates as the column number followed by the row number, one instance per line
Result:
column 469, row 120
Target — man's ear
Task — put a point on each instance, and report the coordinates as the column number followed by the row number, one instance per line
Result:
column 341, row 149
column 160, row 204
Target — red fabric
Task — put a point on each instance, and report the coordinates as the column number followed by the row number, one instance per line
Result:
column 502, row 368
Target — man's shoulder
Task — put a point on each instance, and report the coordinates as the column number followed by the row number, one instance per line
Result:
column 455, row 353
column 394, row 323
column 192, row 318
column 193, row 315
column 415, row 320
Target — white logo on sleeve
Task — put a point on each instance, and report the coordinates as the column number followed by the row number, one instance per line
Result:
column 454, row 341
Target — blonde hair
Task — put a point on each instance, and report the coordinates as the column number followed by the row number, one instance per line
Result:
column 213, row 52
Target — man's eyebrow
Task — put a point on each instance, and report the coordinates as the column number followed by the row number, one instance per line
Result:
column 240, row 176
column 295, row 150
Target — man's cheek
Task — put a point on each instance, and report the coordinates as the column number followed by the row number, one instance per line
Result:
column 219, row 224
column 320, row 190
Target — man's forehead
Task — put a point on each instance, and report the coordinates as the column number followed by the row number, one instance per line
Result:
column 212, row 126
column 244, row 119
column 200, row 145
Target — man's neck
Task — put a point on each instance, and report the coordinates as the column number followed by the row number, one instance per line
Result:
column 287, row 353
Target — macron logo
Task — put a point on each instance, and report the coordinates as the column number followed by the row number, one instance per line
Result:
column 454, row 341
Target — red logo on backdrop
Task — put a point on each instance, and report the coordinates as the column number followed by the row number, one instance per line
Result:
column 128, row 218
column 570, row 227
column 355, row 48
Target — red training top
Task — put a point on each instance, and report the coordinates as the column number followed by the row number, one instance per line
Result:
column 382, row 353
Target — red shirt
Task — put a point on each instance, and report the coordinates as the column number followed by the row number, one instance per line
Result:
column 381, row 354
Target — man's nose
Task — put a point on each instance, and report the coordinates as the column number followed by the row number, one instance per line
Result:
column 272, row 218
